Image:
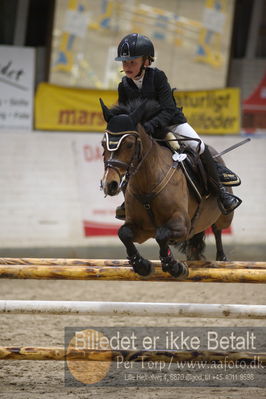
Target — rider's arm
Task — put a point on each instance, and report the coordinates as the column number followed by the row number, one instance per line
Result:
column 169, row 113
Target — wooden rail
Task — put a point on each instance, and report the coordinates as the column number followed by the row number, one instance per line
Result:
column 214, row 272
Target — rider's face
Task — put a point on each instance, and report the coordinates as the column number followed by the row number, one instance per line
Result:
column 132, row 67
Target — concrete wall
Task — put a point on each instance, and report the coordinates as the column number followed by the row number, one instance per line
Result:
column 246, row 74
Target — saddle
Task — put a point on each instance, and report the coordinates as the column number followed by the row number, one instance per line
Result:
column 197, row 177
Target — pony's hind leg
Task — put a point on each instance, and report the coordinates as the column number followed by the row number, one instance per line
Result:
column 169, row 264
column 140, row 265
column 220, row 255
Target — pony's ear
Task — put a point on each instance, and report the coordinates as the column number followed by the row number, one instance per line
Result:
column 107, row 114
column 138, row 113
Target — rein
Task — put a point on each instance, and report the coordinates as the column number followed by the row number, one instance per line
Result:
column 142, row 159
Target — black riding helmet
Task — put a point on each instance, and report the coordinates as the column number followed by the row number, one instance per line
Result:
column 134, row 46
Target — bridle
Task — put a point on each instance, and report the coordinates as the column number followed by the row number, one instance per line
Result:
column 132, row 167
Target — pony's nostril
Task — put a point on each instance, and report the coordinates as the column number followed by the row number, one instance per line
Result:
column 112, row 187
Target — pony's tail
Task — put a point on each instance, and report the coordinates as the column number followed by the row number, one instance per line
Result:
column 194, row 247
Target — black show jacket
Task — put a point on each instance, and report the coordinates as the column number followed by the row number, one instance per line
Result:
column 155, row 86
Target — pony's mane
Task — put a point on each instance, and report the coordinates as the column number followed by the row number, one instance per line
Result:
column 151, row 107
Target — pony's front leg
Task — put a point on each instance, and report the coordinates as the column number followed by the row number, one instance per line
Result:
column 169, row 263
column 140, row 265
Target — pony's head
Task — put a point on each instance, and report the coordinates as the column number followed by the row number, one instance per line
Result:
column 121, row 142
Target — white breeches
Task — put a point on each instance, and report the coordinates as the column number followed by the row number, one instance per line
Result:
column 187, row 131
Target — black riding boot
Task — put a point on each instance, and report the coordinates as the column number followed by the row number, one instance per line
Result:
column 120, row 212
column 227, row 202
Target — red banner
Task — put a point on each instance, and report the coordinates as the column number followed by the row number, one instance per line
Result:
column 254, row 109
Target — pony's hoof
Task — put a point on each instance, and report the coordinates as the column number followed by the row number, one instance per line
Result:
column 176, row 269
column 141, row 266
column 222, row 258
column 179, row 270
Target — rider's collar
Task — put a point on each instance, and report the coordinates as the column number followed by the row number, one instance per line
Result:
column 138, row 82
column 113, row 140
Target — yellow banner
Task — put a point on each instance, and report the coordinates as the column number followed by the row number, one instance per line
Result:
column 211, row 111
column 67, row 109
column 62, row 108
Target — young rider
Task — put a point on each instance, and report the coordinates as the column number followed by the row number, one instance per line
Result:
column 142, row 81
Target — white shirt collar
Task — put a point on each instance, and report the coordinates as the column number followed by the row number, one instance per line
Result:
column 138, row 82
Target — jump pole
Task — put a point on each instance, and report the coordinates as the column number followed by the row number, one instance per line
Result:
column 132, row 309
column 126, row 273
column 59, row 353
column 124, row 263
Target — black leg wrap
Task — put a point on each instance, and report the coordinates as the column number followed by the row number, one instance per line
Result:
column 176, row 269
column 140, row 265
